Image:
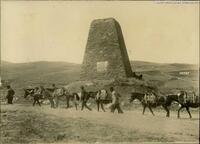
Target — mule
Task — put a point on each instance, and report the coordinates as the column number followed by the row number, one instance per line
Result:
column 77, row 98
column 186, row 105
column 36, row 97
column 161, row 101
column 101, row 97
column 54, row 95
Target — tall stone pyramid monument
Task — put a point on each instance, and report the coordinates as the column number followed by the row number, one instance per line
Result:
column 105, row 55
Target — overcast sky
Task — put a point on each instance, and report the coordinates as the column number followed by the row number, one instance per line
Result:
column 58, row 30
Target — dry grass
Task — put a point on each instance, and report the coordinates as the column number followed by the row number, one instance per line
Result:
column 22, row 124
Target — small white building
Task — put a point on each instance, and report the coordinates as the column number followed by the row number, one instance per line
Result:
column 184, row 73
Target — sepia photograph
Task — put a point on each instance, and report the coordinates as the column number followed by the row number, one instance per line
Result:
column 96, row 72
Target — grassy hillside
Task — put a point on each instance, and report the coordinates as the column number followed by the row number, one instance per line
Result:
column 148, row 66
column 40, row 72
column 66, row 72
column 165, row 77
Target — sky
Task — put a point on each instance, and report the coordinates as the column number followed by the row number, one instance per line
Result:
column 58, row 30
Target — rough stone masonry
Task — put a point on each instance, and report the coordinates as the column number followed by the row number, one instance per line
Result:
column 105, row 55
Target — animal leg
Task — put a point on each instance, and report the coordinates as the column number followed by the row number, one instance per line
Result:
column 51, row 102
column 102, row 106
column 38, row 102
column 167, row 110
column 87, row 107
column 97, row 105
column 34, row 102
column 188, row 110
column 144, row 107
column 76, row 106
column 112, row 108
column 179, row 111
column 67, row 101
column 119, row 109
column 151, row 110
column 82, row 106
column 56, row 101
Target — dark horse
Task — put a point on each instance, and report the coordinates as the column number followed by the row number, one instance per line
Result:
column 186, row 105
column 161, row 101
column 76, row 98
column 36, row 97
column 102, row 99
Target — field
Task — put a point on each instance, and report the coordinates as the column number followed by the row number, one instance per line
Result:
column 25, row 124
column 22, row 123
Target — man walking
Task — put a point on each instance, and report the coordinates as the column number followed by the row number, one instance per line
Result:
column 10, row 94
column 36, row 96
column 115, row 101
column 84, row 98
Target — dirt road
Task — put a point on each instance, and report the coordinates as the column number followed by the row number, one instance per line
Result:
column 142, row 128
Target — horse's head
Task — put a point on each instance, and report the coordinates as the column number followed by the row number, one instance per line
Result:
column 181, row 93
column 28, row 92
column 25, row 93
column 138, row 96
column 92, row 94
column 133, row 97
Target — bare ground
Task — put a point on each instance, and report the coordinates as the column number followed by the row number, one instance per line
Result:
column 26, row 124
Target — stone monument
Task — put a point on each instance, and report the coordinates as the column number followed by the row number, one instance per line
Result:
column 105, row 55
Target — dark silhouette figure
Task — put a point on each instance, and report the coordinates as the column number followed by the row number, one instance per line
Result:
column 84, row 98
column 10, row 95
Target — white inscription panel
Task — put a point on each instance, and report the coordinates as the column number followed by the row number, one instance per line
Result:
column 102, row 66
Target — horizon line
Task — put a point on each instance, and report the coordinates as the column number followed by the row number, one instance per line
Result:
column 81, row 63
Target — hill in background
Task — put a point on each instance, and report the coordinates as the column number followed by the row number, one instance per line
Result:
column 168, row 78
